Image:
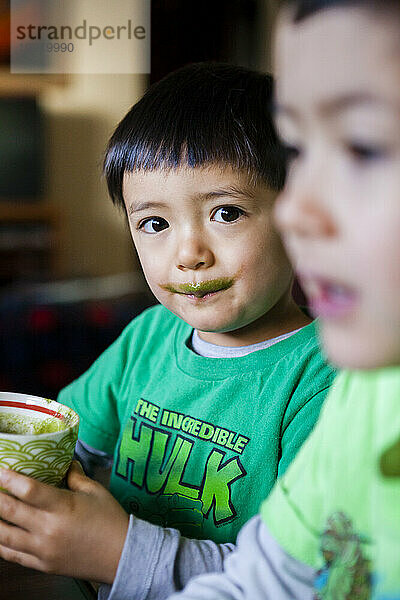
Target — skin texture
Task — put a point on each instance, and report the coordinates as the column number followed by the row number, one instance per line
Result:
column 78, row 532
column 208, row 230
column 338, row 111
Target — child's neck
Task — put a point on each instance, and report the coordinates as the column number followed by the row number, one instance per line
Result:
column 284, row 317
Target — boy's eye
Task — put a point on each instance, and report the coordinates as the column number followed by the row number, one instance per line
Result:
column 153, row 225
column 291, row 153
column 227, row 214
column 363, row 152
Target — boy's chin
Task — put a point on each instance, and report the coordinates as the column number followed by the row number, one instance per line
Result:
column 216, row 327
column 209, row 320
column 358, row 353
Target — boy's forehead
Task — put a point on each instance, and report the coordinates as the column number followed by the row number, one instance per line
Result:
column 335, row 54
column 210, row 179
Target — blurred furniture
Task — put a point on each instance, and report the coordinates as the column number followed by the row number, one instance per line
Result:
column 29, row 223
column 20, row 583
column 28, row 241
column 51, row 333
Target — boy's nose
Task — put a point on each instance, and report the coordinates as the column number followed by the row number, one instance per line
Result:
column 194, row 254
column 300, row 213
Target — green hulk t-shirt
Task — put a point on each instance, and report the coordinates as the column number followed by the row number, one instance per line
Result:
column 197, row 442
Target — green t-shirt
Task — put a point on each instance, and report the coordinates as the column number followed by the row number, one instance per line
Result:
column 337, row 508
column 198, row 442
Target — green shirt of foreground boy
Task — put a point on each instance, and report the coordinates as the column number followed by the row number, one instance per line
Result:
column 203, row 401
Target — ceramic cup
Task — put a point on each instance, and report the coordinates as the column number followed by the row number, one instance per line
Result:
column 37, row 436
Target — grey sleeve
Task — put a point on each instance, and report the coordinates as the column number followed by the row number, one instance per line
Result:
column 259, row 569
column 96, row 464
column 157, row 562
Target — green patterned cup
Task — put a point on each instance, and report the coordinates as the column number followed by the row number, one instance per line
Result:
column 37, row 436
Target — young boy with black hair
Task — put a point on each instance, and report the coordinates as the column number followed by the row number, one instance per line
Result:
column 205, row 399
column 330, row 528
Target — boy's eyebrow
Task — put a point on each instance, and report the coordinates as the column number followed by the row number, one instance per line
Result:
column 231, row 190
column 341, row 103
column 135, row 208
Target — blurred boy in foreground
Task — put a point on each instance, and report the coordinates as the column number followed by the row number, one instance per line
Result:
column 331, row 527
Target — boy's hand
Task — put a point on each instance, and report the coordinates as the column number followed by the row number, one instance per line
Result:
column 78, row 532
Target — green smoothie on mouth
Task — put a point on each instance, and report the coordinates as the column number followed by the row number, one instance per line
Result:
column 201, row 288
column 24, row 425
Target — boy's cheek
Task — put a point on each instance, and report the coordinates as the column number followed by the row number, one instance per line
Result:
column 150, row 264
column 369, row 341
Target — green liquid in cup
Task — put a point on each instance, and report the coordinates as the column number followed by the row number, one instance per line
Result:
column 23, row 425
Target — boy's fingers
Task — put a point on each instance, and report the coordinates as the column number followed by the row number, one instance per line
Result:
column 16, row 512
column 21, row 558
column 77, row 481
column 75, row 470
column 29, row 490
column 13, row 538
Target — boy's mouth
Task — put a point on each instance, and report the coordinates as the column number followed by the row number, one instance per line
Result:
column 328, row 298
column 199, row 289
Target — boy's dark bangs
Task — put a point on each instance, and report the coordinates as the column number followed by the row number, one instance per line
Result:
column 261, row 158
column 148, row 155
column 180, row 149
column 200, row 115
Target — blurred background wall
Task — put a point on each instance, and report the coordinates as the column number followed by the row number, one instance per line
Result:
column 79, row 118
column 69, row 277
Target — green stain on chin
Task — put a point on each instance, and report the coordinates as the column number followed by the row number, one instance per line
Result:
column 204, row 287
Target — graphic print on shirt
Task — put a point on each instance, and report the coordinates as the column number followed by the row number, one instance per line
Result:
column 346, row 575
column 155, row 454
